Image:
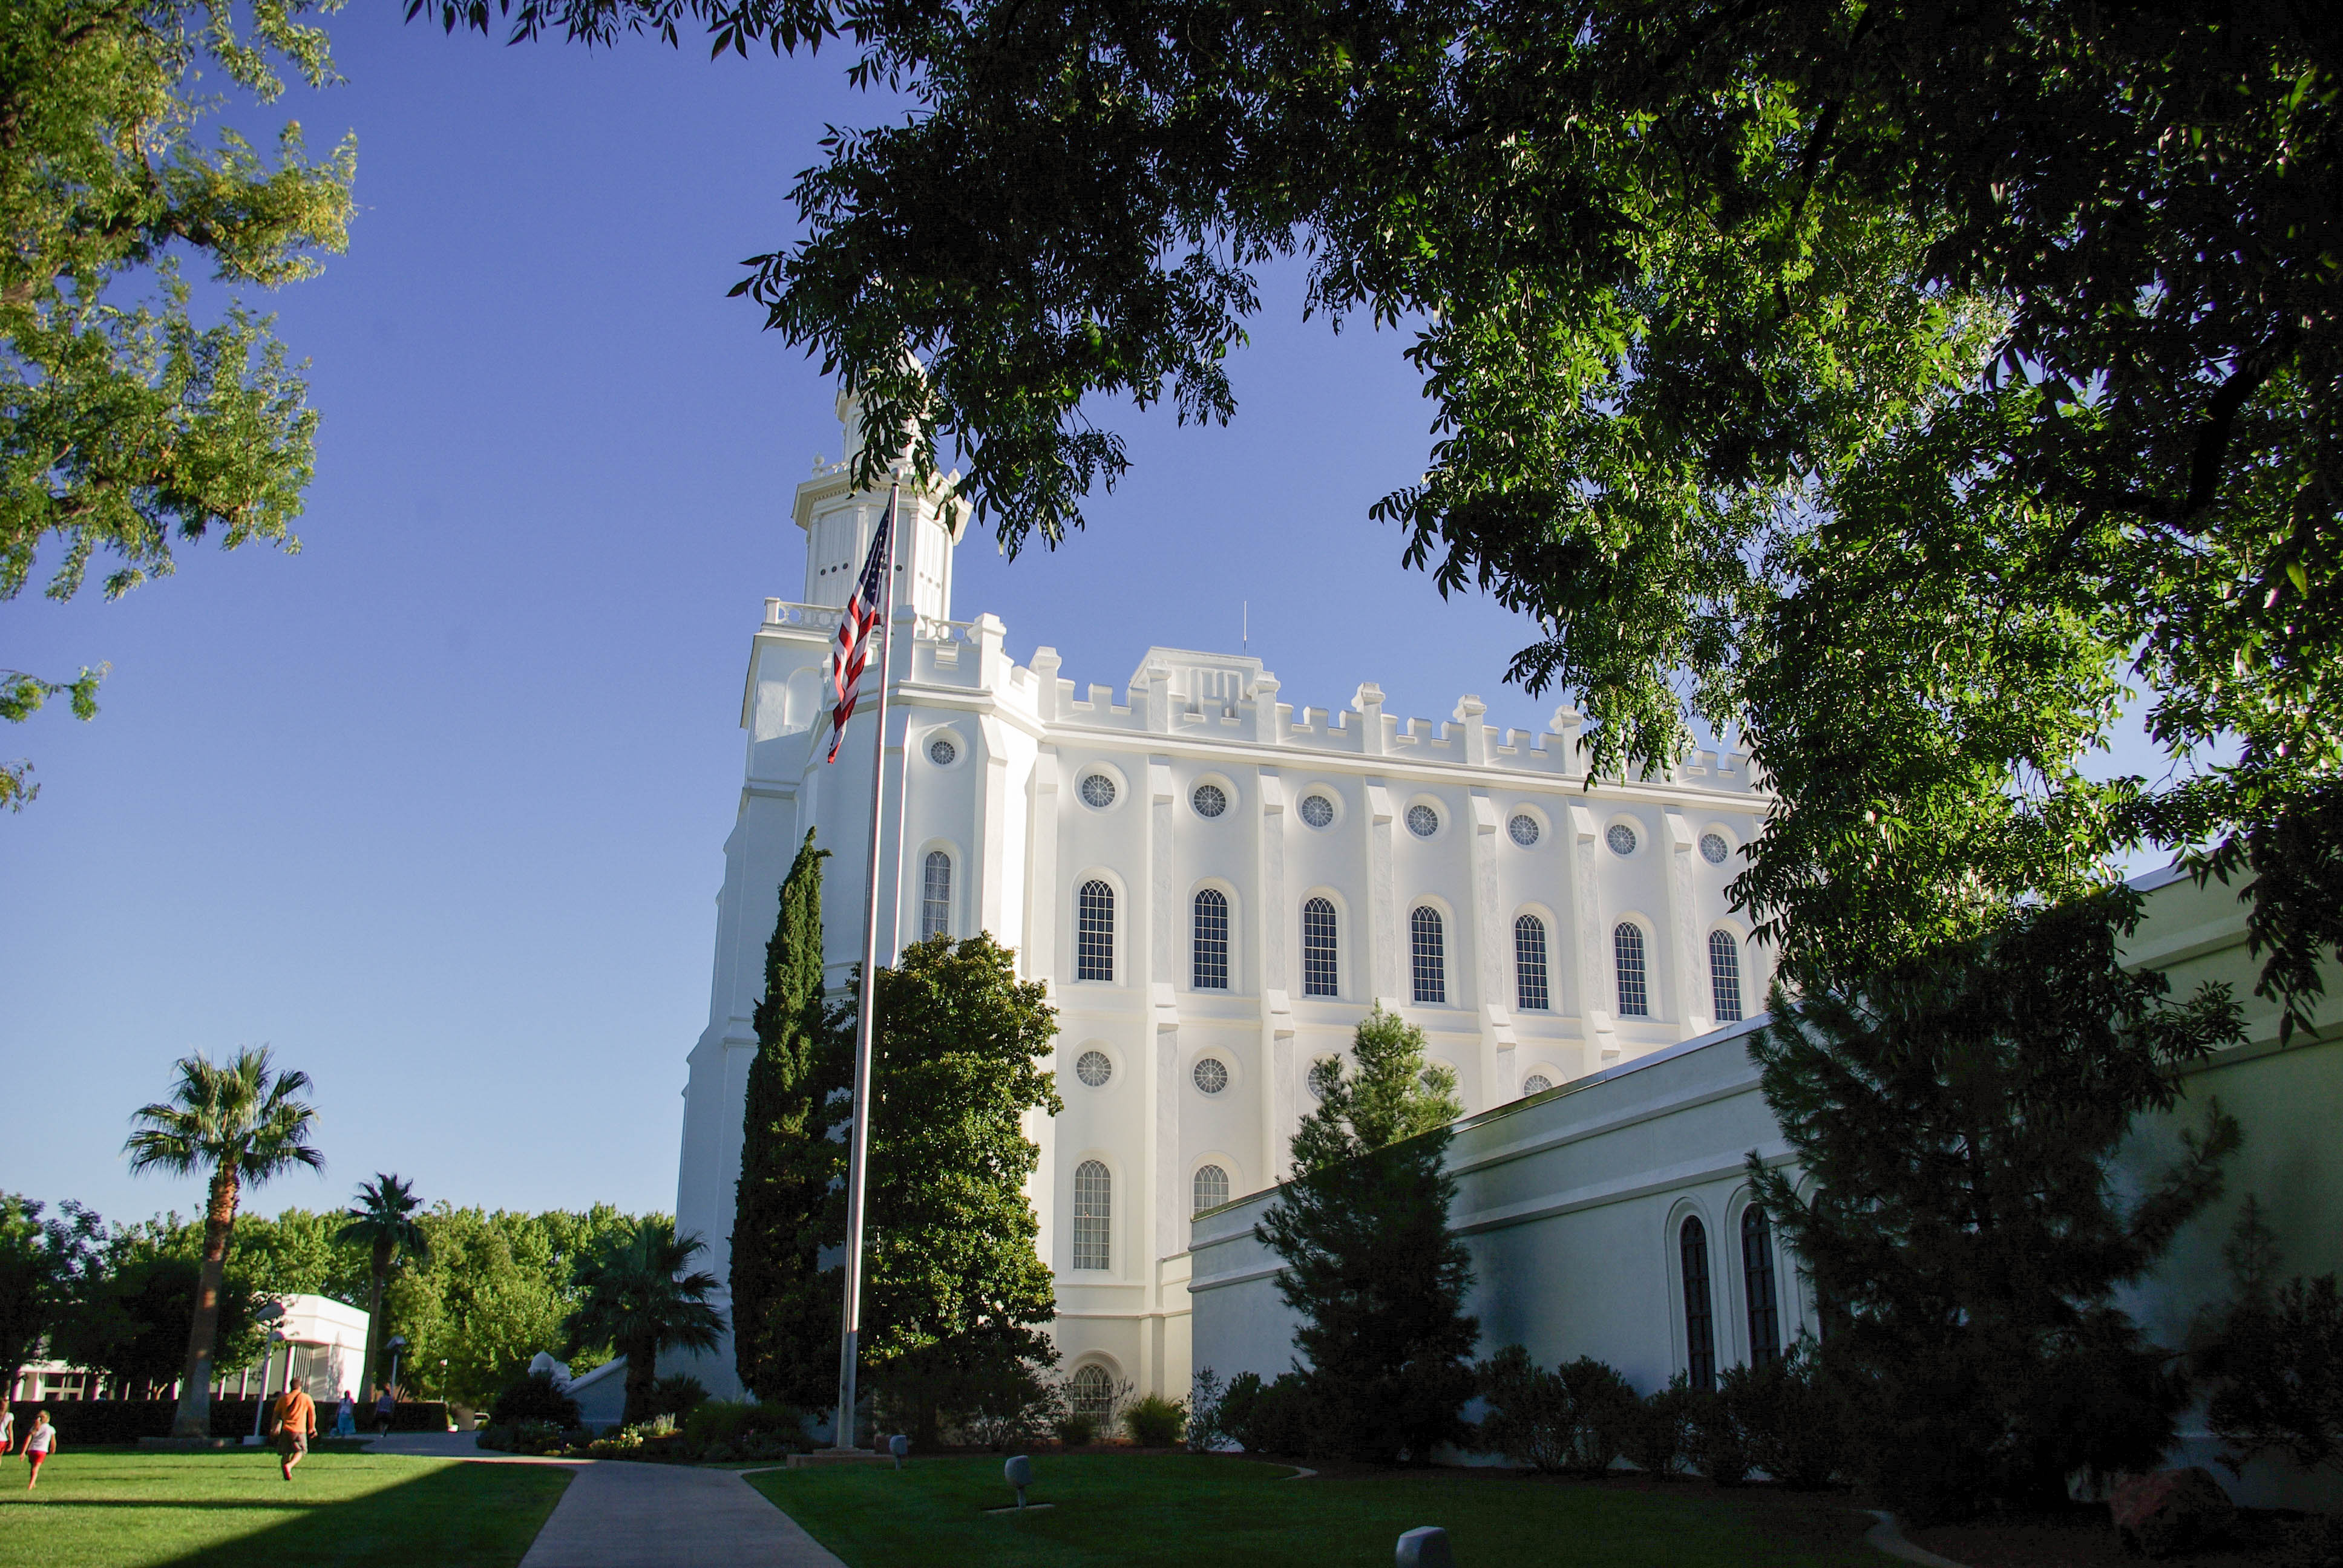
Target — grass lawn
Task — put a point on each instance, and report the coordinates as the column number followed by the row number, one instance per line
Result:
column 132, row 1508
column 1138, row 1512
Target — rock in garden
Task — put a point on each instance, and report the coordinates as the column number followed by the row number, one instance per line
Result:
column 2170, row 1511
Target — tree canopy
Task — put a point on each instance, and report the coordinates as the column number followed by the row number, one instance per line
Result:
column 1952, row 1205
column 1891, row 383
column 1370, row 1267
column 784, row 1304
column 124, row 423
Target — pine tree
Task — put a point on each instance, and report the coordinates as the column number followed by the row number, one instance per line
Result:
column 1371, row 1266
column 1957, row 1115
column 784, row 1303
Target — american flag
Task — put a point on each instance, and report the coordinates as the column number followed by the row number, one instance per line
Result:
column 855, row 629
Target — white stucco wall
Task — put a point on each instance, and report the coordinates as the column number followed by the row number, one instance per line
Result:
column 1570, row 1202
column 1009, row 811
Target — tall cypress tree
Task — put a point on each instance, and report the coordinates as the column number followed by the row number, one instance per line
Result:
column 784, row 1310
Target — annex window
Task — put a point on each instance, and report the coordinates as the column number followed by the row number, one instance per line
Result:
column 935, row 896
column 1212, row 1187
column 1093, row 1213
column 1700, row 1324
column 1318, row 966
column 1627, row 948
column 1429, row 950
column 1757, row 1280
column 1529, row 965
column 1210, row 969
column 1094, row 933
column 1725, row 976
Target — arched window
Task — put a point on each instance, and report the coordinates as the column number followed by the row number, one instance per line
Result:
column 1094, row 937
column 1725, row 976
column 935, row 896
column 1700, row 1328
column 1210, row 969
column 1093, row 1391
column 1211, row 1187
column 1627, row 946
column 1431, row 954
column 1757, row 1278
column 1093, row 1213
column 1317, row 968
column 1529, row 964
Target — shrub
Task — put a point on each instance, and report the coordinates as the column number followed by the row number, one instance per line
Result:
column 1268, row 1418
column 1206, row 1393
column 2277, row 1360
column 1155, row 1422
column 1715, row 1443
column 1009, row 1402
column 1573, row 1419
column 1658, row 1429
column 1791, row 1415
column 678, row 1395
column 537, row 1437
column 534, row 1399
column 744, row 1430
column 1077, row 1429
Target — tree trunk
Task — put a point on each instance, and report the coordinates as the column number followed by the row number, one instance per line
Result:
column 194, row 1415
column 373, row 1328
column 642, row 1369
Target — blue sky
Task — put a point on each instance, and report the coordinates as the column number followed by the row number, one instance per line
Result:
column 436, row 807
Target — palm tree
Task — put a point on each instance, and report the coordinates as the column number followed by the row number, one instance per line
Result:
column 638, row 1298
column 383, row 1222
column 238, row 1124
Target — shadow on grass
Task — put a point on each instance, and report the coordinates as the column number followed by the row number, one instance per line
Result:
column 457, row 1515
column 129, row 1510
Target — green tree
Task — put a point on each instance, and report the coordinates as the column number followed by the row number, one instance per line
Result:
column 1889, row 382
column 239, row 1125
column 299, row 1252
column 495, row 1289
column 783, row 1305
column 953, row 1284
column 1963, row 1235
column 956, row 1287
column 382, row 1221
column 641, row 1299
column 131, row 1321
column 1371, row 1268
column 122, row 423
column 42, row 1266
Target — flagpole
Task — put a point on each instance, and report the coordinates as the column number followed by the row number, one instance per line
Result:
column 859, row 1139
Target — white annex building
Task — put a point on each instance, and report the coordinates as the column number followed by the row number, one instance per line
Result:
column 1216, row 885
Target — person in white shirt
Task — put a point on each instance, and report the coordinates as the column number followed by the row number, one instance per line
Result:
column 7, row 1429
column 39, row 1444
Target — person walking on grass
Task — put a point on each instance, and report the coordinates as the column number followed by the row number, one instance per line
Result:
column 39, row 1444
column 294, row 1423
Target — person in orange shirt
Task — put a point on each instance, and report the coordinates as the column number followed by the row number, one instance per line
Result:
column 294, row 1420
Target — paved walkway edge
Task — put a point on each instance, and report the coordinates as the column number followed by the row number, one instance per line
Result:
column 1889, row 1538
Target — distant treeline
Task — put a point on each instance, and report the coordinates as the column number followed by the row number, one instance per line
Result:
column 495, row 1288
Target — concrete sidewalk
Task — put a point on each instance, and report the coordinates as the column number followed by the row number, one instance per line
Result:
column 620, row 1515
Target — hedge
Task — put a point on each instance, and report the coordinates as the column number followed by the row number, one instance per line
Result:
column 112, row 1421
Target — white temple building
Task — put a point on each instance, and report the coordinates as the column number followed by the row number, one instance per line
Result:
column 1216, row 886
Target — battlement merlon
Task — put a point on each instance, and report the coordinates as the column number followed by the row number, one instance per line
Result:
column 1211, row 697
